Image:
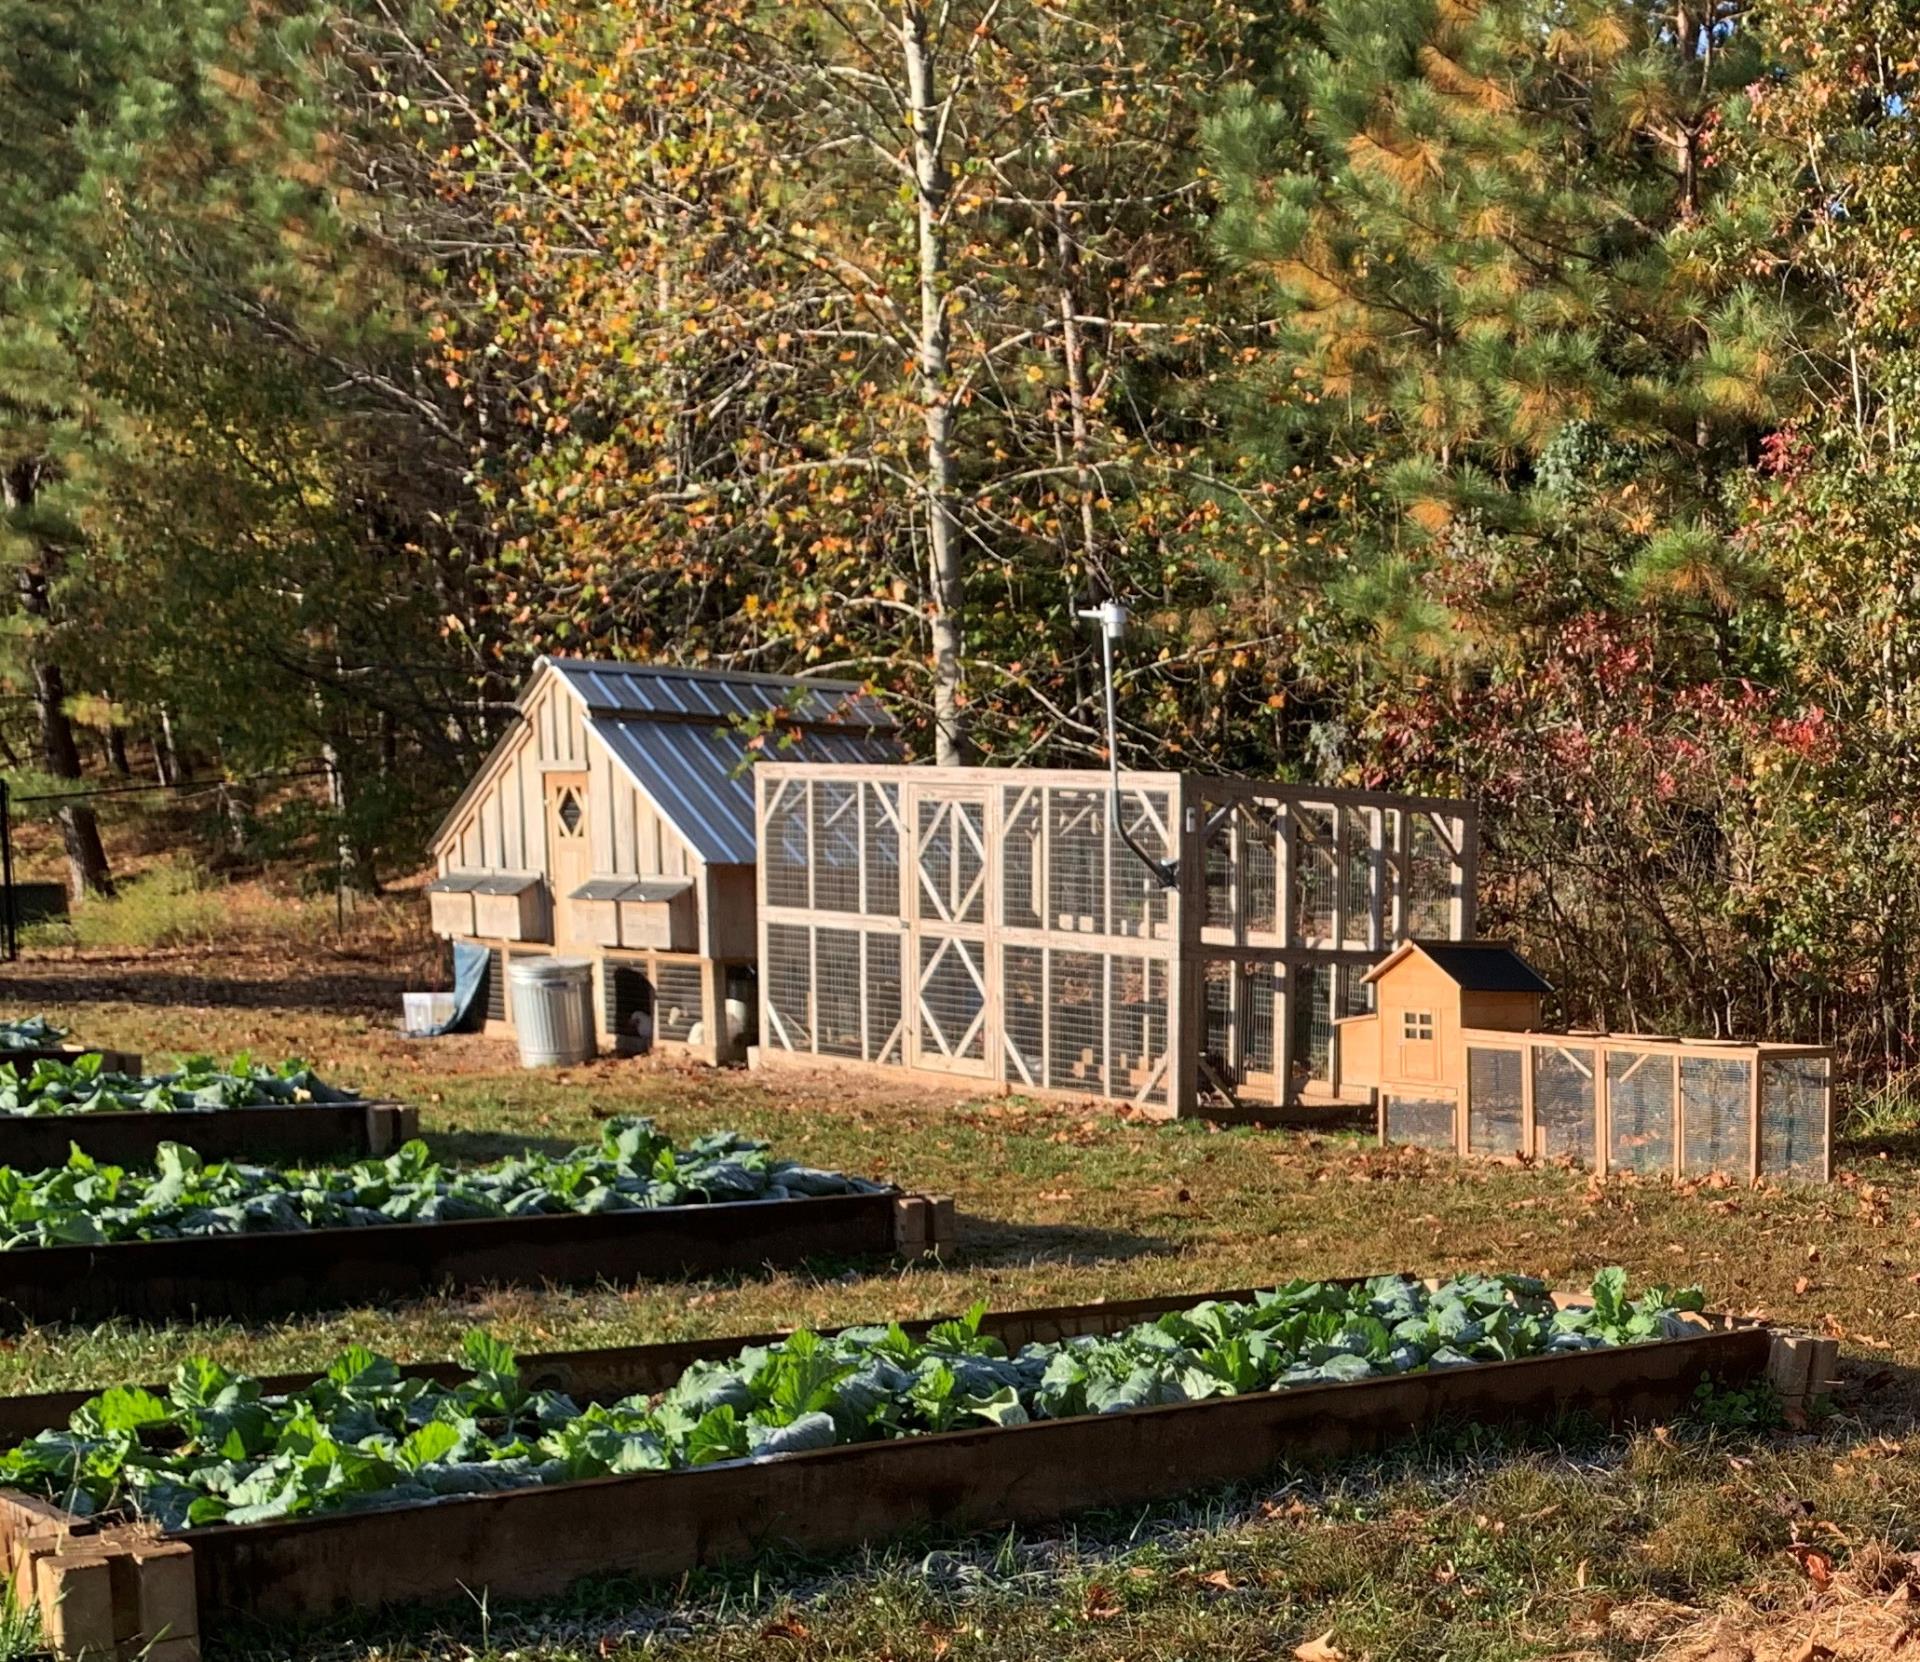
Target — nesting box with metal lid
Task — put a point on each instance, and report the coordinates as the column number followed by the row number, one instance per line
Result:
column 614, row 820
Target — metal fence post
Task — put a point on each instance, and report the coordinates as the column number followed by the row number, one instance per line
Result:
column 9, row 901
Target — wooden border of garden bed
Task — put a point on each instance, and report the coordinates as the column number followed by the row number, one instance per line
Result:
column 272, row 1273
column 537, row 1541
column 282, row 1131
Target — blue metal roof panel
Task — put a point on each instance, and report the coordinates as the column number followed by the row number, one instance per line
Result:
column 718, row 695
column 701, row 776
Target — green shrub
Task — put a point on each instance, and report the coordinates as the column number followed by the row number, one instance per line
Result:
column 169, row 906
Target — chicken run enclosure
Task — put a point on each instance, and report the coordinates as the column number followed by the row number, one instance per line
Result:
column 988, row 923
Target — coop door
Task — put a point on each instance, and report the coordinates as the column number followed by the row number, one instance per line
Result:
column 952, row 1022
column 569, row 857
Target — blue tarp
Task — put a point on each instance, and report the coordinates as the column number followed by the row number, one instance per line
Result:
column 470, row 962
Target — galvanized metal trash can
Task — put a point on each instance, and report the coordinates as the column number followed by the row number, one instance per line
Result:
column 552, row 1010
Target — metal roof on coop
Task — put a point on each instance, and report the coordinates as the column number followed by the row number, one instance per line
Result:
column 687, row 739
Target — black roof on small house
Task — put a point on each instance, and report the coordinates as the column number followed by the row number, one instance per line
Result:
column 1473, row 966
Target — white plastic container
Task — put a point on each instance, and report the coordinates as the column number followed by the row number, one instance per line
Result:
column 423, row 1012
column 552, row 1009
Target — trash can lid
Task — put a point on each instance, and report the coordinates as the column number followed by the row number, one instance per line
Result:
column 549, row 969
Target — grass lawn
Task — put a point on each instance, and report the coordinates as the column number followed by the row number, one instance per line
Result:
column 1675, row 1542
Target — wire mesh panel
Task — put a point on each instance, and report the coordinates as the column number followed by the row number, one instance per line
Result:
column 784, row 852
column 1793, row 1118
column 496, row 984
column 1077, row 1022
column 1716, row 1129
column 1430, row 876
column 838, row 1028
column 1563, row 1103
column 1219, row 869
column 1023, row 1015
column 1357, row 829
column 1077, row 860
column 1137, row 1020
column 1316, row 872
column 953, row 856
column 1495, row 1111
column 1139, row 902
column 676, row 999
column 1310, row 1010
column 1356, row 991
column 885, row 1031
column 1257, row 987
column 789, row 982
column 1639, row 1112
column 1217, row 1048
column 1259, row 831
column 880, row 833
column 1022, row 863
column 1420, row 1121
column 836, row 846
column 953, row 1000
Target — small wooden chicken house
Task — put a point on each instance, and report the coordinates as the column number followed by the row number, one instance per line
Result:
column 1460, row 1059
column 614, row 820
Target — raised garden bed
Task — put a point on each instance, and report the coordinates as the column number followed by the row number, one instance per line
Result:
column 300, row 1131
column 537, row 1540
column 263, row 1275
column 191, row 1238
column 25, row 1040
column 100, row 1102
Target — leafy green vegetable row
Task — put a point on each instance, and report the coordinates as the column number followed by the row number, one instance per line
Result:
column 198, row 1085
column 216, row 1449
column 29, row 1033
column 633, row 1167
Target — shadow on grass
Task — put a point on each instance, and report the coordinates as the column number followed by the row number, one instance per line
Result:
column 984, row 1240
column 351, row 990
column 472, row 1148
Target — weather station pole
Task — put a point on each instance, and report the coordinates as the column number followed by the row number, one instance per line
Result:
column 1112, row 619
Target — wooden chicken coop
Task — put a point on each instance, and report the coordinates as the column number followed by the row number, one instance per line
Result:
column 989, row 924
column 614, row 821
column 1461, row 1061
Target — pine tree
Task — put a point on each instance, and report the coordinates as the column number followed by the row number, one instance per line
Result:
column 1521, row 289
column 58, row 66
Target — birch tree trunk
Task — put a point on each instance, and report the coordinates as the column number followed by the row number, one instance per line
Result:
column 925, row 116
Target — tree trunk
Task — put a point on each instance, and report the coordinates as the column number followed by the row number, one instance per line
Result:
column 87, row 871
column 936, row 402
column 166, row 759
column 117, row 752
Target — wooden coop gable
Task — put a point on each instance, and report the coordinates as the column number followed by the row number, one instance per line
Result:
column 502, row 823
column 666, row 756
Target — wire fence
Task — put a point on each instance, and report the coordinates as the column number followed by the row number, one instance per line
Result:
column 187, row 786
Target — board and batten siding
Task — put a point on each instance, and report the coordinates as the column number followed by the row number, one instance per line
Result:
column 505, row 827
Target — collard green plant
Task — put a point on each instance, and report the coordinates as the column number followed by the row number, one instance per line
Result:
column 198, row 1085
column 29, row 1033
column 632, row 1168
column 217, row 1449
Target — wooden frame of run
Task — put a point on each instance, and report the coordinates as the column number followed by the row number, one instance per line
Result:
column 1004, row 898
column 1616, row 1056
column 537, row 1541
